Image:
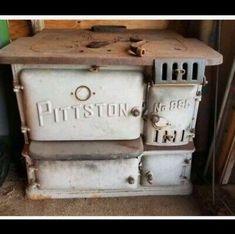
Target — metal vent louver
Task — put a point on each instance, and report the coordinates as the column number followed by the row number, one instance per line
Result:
column 179, row 70
column 170, row 136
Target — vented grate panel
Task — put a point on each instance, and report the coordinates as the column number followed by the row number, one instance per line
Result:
column 170, row 136
column 179, row 70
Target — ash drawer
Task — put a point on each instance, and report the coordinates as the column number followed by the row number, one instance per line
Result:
column 165, row 167
column 77, row 104
column 87, row 175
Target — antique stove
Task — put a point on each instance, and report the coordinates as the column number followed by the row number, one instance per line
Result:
column 108, row 112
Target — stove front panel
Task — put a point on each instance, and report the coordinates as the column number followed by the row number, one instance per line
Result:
column 77, row 104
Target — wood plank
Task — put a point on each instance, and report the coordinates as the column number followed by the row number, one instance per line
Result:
column 227, row 131
column 19, row 28
column 226, row 153
column 227, row 170
column 84, row 24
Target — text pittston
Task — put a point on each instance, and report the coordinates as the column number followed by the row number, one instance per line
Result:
column 97, row 110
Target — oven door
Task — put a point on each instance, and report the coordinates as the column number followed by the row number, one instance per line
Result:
column 77, row 104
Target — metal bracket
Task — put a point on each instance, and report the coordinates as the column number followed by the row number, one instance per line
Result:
column 198, row 96
column 149, row 177
column 31, row 169
column 191, row 134
column 204, row 82
column 27, row 158
column 18, row 88
column 183, row 177
column 34, row 185
column 25, row 130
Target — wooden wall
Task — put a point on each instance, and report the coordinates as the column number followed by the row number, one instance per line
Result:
column 22, row 28
column 131, row 24
column 19, row 28
column 228, row 124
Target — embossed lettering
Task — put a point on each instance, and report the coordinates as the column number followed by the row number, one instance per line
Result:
column 181, row 104
column 65, row 112
column 156, row 107
column 43, row 108
column 123, row 109
column 76, row 112
column 100, row 108
column 159, row 107
column 171, row 105
column 112, row 110
column 56, row 115
column 89, row 110
column 76, row 108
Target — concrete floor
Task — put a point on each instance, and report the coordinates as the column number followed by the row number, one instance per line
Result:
column 14, row 203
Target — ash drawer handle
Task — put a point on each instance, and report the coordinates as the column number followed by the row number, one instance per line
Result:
column 130, row 180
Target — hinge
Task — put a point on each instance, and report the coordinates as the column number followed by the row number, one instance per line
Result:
column 31, row 171
column 183, row 176
column 27, row 158
column 34, row 185
column 198, row 96
column 191, row 135
column 18, row 88
column 25, row 130
column 204, row 82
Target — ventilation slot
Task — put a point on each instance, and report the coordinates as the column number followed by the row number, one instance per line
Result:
column 164, row 71
column 185, row 67
column 182, row 138
column 174, row 136
column 174, row 72
column 195, row 71
column 156, row 137
column 164, row 140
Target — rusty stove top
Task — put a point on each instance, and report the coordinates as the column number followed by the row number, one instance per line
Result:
column 69, row 46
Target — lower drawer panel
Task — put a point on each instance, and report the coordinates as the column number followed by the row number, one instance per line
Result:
column 165, row 168
column 87, row 174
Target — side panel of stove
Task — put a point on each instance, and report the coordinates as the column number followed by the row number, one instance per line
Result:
column 73, row 103
column 173, row 101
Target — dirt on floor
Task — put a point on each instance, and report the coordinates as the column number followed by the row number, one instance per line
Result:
column 14, row 203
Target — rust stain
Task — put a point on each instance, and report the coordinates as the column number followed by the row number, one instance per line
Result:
column 38, row 197
column 95, row 195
